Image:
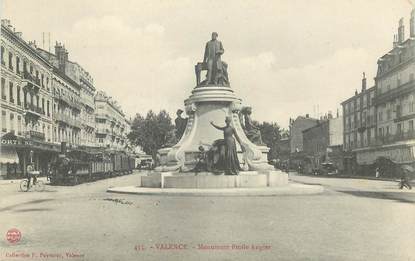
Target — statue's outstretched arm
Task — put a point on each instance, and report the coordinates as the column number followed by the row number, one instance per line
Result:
column 216, row 126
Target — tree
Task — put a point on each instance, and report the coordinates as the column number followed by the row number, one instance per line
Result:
column 152, row 132
column 271, row 134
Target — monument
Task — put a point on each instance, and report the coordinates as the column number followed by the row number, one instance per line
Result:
column 213, row 149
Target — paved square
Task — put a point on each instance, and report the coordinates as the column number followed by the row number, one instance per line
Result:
column 351, row 220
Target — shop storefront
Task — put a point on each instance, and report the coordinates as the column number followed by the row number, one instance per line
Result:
column 17, row 152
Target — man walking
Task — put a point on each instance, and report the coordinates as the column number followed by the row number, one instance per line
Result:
column 404, row 180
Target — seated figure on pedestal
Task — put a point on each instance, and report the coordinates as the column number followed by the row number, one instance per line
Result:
column 252, row 132
column 217, row 70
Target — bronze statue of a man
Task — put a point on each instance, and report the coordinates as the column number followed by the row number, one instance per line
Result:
column 212, row 58
column 217, row 70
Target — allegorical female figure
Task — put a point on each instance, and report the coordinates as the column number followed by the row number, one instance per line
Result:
column 230, row 160
column 252, row 132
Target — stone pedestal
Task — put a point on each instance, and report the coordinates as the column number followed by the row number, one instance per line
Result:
column 245, row 179
column 206, row 104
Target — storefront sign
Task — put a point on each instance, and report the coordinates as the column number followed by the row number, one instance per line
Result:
column 15, row 142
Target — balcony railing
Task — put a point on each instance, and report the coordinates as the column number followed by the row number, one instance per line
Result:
column 388, row 139
column 401, row 90
column 60, row 117
column 69, row 102
column 35, row 135
column 32, row 83
column 33, row 109
column 402, row 117
column 101, row 130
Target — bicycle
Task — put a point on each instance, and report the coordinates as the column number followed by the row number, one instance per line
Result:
column 38, row 185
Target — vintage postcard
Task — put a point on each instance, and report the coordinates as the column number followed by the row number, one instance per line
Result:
column 207, row 130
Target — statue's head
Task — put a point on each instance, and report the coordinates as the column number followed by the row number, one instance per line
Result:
column 179, row 112
column 248, row 110
column 228, row 120
column 214, row 35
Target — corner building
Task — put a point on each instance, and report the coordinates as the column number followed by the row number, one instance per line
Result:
column 390, row 134
column 26, row 105
column 395, row 91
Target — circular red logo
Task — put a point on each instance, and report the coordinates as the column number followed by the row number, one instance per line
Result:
column 13, row 235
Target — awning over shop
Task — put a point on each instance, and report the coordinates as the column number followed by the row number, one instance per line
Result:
column 8, row 155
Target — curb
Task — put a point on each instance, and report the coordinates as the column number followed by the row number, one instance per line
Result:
column 290, row 189
column 347, row 177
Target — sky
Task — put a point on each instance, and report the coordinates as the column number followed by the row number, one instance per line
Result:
column 284, row 57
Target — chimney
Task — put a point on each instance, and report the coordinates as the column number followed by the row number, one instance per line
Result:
column 364, row 82
column 5, row 22
column 401, row 31
column 412, row 24
column 62, row 56
column 307, row 115
column 58, row 47
column 355, row 92
column 32, row 44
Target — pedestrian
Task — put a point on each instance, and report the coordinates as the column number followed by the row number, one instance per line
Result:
column 404, row 180
column 377, row 172
column 30, row 174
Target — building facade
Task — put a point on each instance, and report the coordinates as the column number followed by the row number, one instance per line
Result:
column 395, row 82
column 26, row 104
column 73, row 91
column 296, row 128
column 359, row 119
column 112, row 126
column 323, row 142
column 296, row 131
column 46, row 99
column 387, row 131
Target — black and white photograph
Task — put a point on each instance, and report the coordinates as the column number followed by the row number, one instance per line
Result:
column 207, row 130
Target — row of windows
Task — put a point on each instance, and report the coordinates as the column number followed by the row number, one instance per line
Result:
column 401, row 130
column 28, row 98
column 26, row 67
column 12, row 122
column 67, row 135
column 15, row 123
column 394, row 82
column 365, row 101
column 387, row 113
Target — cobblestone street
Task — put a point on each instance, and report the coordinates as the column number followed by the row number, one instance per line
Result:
column 85, row 222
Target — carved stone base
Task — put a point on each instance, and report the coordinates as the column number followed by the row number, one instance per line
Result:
column 205, row 180
column 206, row 104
